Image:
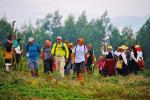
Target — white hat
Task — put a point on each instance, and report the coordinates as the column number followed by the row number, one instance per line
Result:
column 31, row 39
column 59, row 37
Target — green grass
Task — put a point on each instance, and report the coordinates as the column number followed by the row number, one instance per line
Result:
column 20, row 85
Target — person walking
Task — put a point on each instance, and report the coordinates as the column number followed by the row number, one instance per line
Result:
column 47, row 57
column 79, row 58
column 8, row 53
column 90, row 60
column 33, row 51
column 61, row 54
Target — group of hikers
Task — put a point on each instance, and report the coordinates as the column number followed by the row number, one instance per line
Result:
column 66, row 58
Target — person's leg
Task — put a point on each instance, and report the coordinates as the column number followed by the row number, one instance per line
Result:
column 36, row 65
column 17, row 58
column 62, row 65
column 66, row 68
column 31, row 67
column 99, row 71
column 44, row 66
column 91, row 69
column 106, row 68
column 69, row 68
column 57, row 60
column 48, row 66
column 114, row 68
column 7, row 64
column 74, row 69
column 51, row 65
column 81, row 70
column 82, row 67
column 88, row 69
column 77, row 68
column 119, row 71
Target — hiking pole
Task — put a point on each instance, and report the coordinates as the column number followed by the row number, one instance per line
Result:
column 13, row 49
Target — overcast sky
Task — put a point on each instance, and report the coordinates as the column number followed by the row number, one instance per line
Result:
column 23, row 10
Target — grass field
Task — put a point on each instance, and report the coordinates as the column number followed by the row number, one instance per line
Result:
column 20, row 85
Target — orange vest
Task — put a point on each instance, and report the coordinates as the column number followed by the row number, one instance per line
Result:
column 8, row 55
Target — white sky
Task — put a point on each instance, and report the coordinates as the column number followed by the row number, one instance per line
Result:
column 23, row 10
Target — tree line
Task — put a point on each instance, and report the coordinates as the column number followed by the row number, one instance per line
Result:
column 96, row 31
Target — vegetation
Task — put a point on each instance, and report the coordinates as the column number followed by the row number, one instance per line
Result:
column 19, row 84
column 144, row 39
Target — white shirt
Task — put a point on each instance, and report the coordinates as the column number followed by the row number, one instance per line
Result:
column 124, row 58
column 139, row 55
column 132, row 56
column 106, row 52
column 117, row 53
column 17, row 50
column 79, row 53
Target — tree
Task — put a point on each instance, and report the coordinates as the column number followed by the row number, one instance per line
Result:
column 115, row 38
column 5, row 28
column 70, row 29
column 143, row 38
column 127, row 36
column 81, row 25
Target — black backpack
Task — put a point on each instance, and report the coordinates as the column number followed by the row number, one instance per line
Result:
column 63, row 47
column 76, row 48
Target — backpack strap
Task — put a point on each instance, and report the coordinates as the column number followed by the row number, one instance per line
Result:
column 75, row 49
column 84, row 48
column 55, row 49
column 61, row 47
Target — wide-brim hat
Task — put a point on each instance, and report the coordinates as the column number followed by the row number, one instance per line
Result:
column 137, row 46
column 124, row 47
column 71, row 44
column 109, row 47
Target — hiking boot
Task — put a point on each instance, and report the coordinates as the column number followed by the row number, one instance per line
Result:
column 80, row 77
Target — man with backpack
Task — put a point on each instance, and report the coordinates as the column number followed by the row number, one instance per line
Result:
column 79, row 58
column 33, row 51
column 61, row 54
column 47, row 57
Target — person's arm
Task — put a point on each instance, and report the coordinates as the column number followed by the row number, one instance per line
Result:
column 86, row 54
column 73, row 56
column 139, row 55
column 105, row 53
column 27, row 47
column 93, row 57
column 42, row 52
column 117, row 53
column 124, row 58
column 133, row 57
column 38, row 48
column 53, row 49
column 17, row 50
column 67, row 51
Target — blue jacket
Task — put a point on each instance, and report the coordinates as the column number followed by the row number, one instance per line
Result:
column 33, row 51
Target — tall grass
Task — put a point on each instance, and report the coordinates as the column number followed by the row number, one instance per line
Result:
column 19, row 85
